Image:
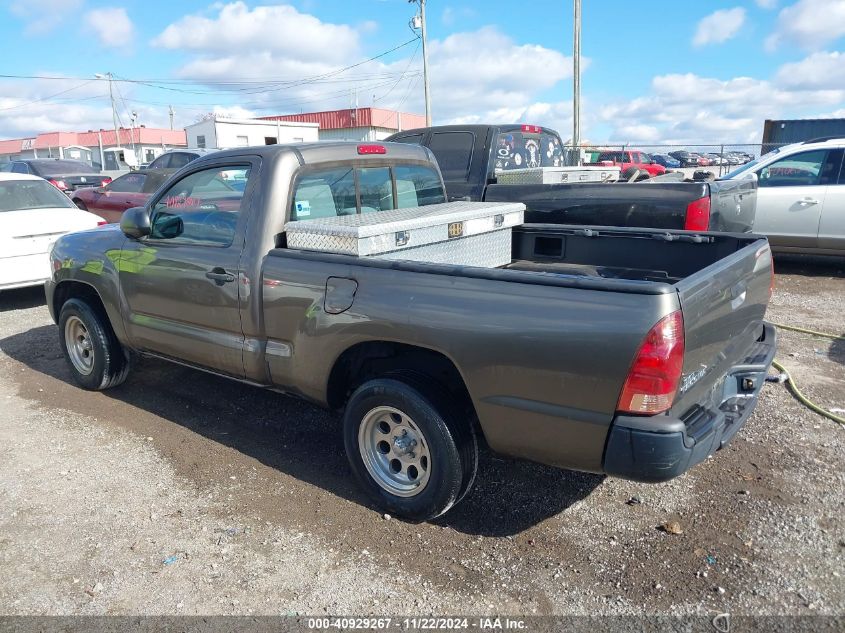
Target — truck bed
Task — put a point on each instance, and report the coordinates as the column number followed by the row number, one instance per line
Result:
column 577, row 301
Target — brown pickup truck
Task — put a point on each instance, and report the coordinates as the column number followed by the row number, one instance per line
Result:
column 632, row 352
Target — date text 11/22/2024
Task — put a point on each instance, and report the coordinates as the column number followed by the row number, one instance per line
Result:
column 417, row 624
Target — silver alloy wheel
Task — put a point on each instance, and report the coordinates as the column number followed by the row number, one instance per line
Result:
column 395, row 451
column 79, row 346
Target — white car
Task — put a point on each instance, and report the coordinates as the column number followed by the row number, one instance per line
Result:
column 33, row 215
column 801, row 196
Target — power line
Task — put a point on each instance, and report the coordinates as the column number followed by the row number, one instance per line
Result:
column 23, row 105
column 278, row 84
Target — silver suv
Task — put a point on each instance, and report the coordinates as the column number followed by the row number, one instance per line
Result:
column 801, row 196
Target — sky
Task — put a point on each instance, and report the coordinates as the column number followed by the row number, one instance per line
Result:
column 652, row 72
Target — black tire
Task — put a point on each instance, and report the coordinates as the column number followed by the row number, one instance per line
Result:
column 448, row 434
column 80, row 205
column 109, row 361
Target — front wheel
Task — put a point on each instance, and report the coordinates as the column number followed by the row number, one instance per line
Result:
column 409, row 447
column 97, row 359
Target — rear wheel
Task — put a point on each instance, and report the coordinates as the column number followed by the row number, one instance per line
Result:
column 409, row 447
column 97, row 359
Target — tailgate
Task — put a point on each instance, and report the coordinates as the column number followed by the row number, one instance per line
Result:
column 723, row 307
column 733, row 204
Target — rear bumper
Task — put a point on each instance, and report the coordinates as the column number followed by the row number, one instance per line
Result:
column 654, row 449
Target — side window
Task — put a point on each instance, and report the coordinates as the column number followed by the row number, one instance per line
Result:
column 417, row 186
column 130, row 183
column 20, row 168
column 325, row 193
column 202, row 208
column 375, row 188
column 413, row 139
column 453, row 151
column 832, row 170
column 798, row 170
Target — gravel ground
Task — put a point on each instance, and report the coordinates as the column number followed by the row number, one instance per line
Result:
column 183, row 493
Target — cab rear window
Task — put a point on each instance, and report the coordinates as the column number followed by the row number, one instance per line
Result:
column 521, row 150
column 330, row 192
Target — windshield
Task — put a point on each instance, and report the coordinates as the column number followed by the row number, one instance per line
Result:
column 18, row 195
column 748, row 166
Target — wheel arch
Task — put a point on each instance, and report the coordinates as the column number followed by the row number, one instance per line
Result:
column 370, row 359
column 74, row 289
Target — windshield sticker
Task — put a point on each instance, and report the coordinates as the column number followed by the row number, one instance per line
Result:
column 303, row 208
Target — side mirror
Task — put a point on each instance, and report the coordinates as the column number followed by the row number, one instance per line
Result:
column 100, row 190
column 135, row 222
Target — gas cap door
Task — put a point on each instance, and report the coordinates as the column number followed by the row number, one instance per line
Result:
column 340, row 293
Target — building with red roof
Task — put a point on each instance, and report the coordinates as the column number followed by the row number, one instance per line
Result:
column 356, row 124
column 92, row 146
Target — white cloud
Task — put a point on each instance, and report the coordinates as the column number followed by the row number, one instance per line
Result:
column 811, row 24
column 42, row 16
column 485, row 70
column 112, row 27
column 688, row 108
column 767, row 4
column 819, row 71
column 719, row 26
column 272, row 32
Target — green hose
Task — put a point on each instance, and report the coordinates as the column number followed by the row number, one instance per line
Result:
column 791, row 383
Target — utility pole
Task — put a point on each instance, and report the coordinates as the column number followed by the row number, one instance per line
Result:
column 171, row 113
column 576, row 80
column 110, row 77
column 421, row 24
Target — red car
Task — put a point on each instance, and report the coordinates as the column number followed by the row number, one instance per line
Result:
column 631, row 159
column 130, row 190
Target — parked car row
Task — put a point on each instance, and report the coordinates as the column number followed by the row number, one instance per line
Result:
column 696, row 159
column 65, row 174
column 656, row 164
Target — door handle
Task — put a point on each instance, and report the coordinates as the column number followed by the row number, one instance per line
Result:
column 808, row 201
column 219, row 276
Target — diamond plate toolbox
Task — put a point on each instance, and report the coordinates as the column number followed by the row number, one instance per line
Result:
column 460, row 233
column 556, row 175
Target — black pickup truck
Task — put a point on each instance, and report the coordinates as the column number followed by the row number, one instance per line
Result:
column 471, row 156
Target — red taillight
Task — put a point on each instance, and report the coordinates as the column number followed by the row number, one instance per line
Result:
column 532, row 129
column 59, row 184
column 101, row 223
column 372, row 149
column 698, row 215
column 654, row 375
column 105, row 181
